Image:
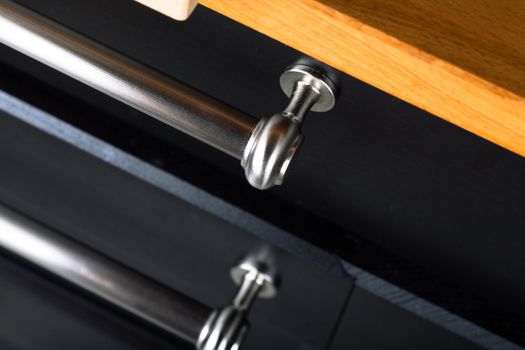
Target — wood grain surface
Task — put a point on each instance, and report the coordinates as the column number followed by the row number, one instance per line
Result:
column 463, row 61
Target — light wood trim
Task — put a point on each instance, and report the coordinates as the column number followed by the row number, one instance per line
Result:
column 462, row 60
column 176, row 9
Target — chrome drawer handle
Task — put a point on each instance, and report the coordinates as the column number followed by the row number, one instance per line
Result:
column 264, row 147
column 176, row 313
column 275, row 140
column 227, row 327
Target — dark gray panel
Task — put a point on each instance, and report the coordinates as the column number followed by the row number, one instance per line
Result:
column 371, row 323
column 400, row 304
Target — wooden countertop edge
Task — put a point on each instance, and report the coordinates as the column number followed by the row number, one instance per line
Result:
column 385, row 62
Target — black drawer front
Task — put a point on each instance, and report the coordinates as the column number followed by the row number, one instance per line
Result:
column 374, row 169
column 371, row 165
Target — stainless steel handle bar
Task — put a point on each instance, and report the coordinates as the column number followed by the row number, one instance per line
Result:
column 125, row 80
column 166, row 308
column 152, row 301
column 264, row 147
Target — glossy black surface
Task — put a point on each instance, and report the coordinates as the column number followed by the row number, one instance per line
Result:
column 374, row 169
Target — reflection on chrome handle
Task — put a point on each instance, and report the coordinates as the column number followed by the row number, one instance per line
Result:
column 227, row 327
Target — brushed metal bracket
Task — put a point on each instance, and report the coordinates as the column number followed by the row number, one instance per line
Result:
column 275, row 140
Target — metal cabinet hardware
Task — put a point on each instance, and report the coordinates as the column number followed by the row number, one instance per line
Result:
column 226, row 327
column 264, row 147
column 275, row 140
column 166, row 308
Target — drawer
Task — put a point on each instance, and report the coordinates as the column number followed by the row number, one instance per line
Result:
column 179, row 235
column 165, row 228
